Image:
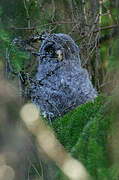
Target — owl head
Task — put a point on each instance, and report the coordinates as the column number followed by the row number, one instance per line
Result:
column 59, row 47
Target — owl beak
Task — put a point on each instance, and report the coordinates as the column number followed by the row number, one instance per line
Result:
column 59, row 55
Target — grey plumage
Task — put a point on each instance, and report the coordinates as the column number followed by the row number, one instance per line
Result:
column 61, row 83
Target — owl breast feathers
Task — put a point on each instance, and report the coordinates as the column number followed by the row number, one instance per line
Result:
column 61, row 83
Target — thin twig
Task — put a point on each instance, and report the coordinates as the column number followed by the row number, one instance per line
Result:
column 84, row 10
column 8, row 67
column 48, row 24
column 96, row 42
column 100, row 29
column 23, row 28
column 53, row 10
column 27, row 14
column 72, row 10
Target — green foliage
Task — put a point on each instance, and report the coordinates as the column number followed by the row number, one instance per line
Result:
column 84, row 132
column 72, row 124
column 106, row 20
column 19, row 58
column 114, row 57
column 4, row 37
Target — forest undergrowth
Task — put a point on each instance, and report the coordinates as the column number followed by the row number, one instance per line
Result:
column 88, row 133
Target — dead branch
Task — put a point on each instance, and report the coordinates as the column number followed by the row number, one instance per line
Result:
column 100, row 29
column 27, row 14
column 53, row 10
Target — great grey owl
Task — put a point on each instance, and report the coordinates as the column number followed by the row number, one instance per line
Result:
column 61, row 83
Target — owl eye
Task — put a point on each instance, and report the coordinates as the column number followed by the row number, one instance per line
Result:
column 49, row 50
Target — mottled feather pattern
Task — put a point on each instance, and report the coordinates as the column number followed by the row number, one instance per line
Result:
column 61, row 83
